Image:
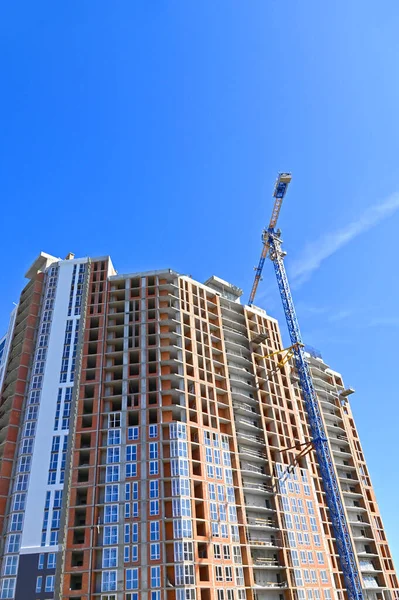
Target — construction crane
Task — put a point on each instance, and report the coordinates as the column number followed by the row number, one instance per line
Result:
column 272, row 248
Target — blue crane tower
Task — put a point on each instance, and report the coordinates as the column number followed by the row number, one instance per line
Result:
column 272, row 248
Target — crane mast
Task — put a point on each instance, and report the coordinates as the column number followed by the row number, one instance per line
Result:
column 272, row 247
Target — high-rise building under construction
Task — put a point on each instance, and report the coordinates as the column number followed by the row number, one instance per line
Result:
column 154, row 445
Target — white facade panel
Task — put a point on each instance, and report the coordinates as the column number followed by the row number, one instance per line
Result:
column 38, row 484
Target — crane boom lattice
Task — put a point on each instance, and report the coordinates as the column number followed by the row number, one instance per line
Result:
column 272, row 247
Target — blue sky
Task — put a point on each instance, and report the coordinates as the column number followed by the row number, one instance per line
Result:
column 153, row 132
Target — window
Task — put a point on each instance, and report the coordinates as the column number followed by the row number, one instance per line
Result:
column 212, row 491
column 7, row 588
column 183, row 551
column 135, row 487
column 128, row 491
column 155, row 576
column 219, row 474
column 235, row 536
column 232, row 514
column 111, row 513
column 288, row 521
column 154, row 507
column 219, row 573
column 27, row 446
column 30, row 428
column 178, row 448
column 185, row 594
column 155, row 551
column 13, row 543
column 154, row 531
column 228, row 573
column 51, row 560
column 135, row 553
column 39, row 584
column 133, row 433
column 110, row 558
column 113, row 455
column 112, row 473
column 239, row 576
column 298, row 577
column 55, row 521
column 111, row 493
column 110, row 535
column 114, row 437
column 237, row 555
column 53, row 538
column 320, row 558
column 179, row 466
column 132, row 579
column 15, row 523
column 49, row 586
column 153, row 431
column 154, row 467
column 316, row 539
column 114, row 420
column 131, row 452
column 108, row 581
column 294, row 558
column 131, row 469
column 310, row 507
column 154, row 489
column 323, row 576
column 127, row 534
column 179, row 431
column 10, row 565
column 327, row 595
column 153, row 450
column 184, row 574
column 135, row 532
column 182, row 528
column 230, row 494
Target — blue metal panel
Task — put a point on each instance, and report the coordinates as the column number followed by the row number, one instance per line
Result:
column 319, row 439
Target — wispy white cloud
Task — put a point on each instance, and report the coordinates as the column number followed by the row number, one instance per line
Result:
column 384, row 322
column 316, row 252
column 341, row 315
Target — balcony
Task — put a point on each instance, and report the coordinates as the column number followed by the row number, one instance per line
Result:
column 366, row 566
column 249, row 468
column 240, row 395
column 262, row 523
column 254, row 454
column 264, row 562
column 255, row 440
column 267, row 543
column 271, row 584
column 242, row 406
column 258, row 487
column 248, row 423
